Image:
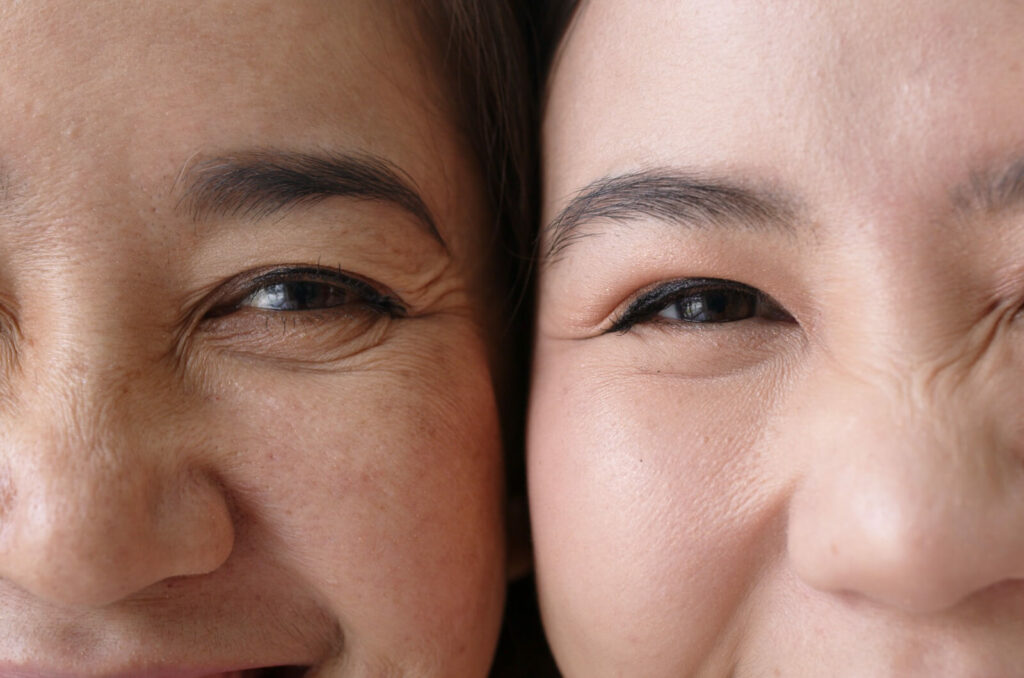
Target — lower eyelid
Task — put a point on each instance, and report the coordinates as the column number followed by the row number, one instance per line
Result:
column 315, row 337
column 275, row 320
column 684, row 327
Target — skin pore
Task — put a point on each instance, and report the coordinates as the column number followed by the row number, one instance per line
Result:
column 246, row 414
column 774, row 425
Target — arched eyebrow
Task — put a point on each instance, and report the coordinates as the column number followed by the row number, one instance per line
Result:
column 254, row 185
column 695, row 201
column 669, row 195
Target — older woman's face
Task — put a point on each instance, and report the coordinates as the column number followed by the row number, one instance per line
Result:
column 776, row 424
column 246, row 409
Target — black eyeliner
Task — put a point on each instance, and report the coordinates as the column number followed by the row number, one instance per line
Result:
column 653, row 301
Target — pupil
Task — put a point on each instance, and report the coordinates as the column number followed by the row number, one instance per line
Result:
column 717, row 306
column 306, row 294
column 718, row 302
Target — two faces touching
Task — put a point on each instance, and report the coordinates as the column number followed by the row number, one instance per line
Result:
column 255, row 265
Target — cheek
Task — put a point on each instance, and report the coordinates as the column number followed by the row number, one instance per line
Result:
column 380, row 486
column 649, row 503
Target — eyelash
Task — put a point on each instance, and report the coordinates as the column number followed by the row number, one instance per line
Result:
column 351, row 290
column 649, row 305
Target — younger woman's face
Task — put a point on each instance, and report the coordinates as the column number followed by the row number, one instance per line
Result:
column 776, row 421
column 246, row 416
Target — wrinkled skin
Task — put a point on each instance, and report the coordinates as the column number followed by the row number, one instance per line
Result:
column 196, row 480
column 829, row 483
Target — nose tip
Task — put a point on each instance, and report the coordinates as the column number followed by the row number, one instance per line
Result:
column 103, row 542
column 919, row 561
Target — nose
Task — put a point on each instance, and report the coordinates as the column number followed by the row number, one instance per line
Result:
column 914, row 501
column 103, row 495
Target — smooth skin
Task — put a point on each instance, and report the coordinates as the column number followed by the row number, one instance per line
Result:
column 816, row 471
column 204, row 470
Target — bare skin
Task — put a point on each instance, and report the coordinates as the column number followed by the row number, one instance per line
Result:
column 239, row 435
column 775, row 421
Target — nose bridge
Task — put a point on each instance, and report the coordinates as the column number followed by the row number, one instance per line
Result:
column 888, row 427
column 92, row 362
column 901, row 366
column 79, row 402
column 76, row 434
column 910, row 495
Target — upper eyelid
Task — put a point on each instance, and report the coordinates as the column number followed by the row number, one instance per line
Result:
column 667, row 289
column 289, row 273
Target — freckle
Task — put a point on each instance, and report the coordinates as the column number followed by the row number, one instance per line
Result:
column 834, row 548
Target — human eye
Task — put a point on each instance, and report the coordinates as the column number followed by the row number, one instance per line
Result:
column 298, row 289
column 699, row 301
column 299, row 314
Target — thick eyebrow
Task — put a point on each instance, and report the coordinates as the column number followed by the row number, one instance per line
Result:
column 991, row 191
column 669, row 195
column 254, row 185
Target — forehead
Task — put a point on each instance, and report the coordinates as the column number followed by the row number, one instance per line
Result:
column 243, row 59
column 828, row 96
column 141, row 88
